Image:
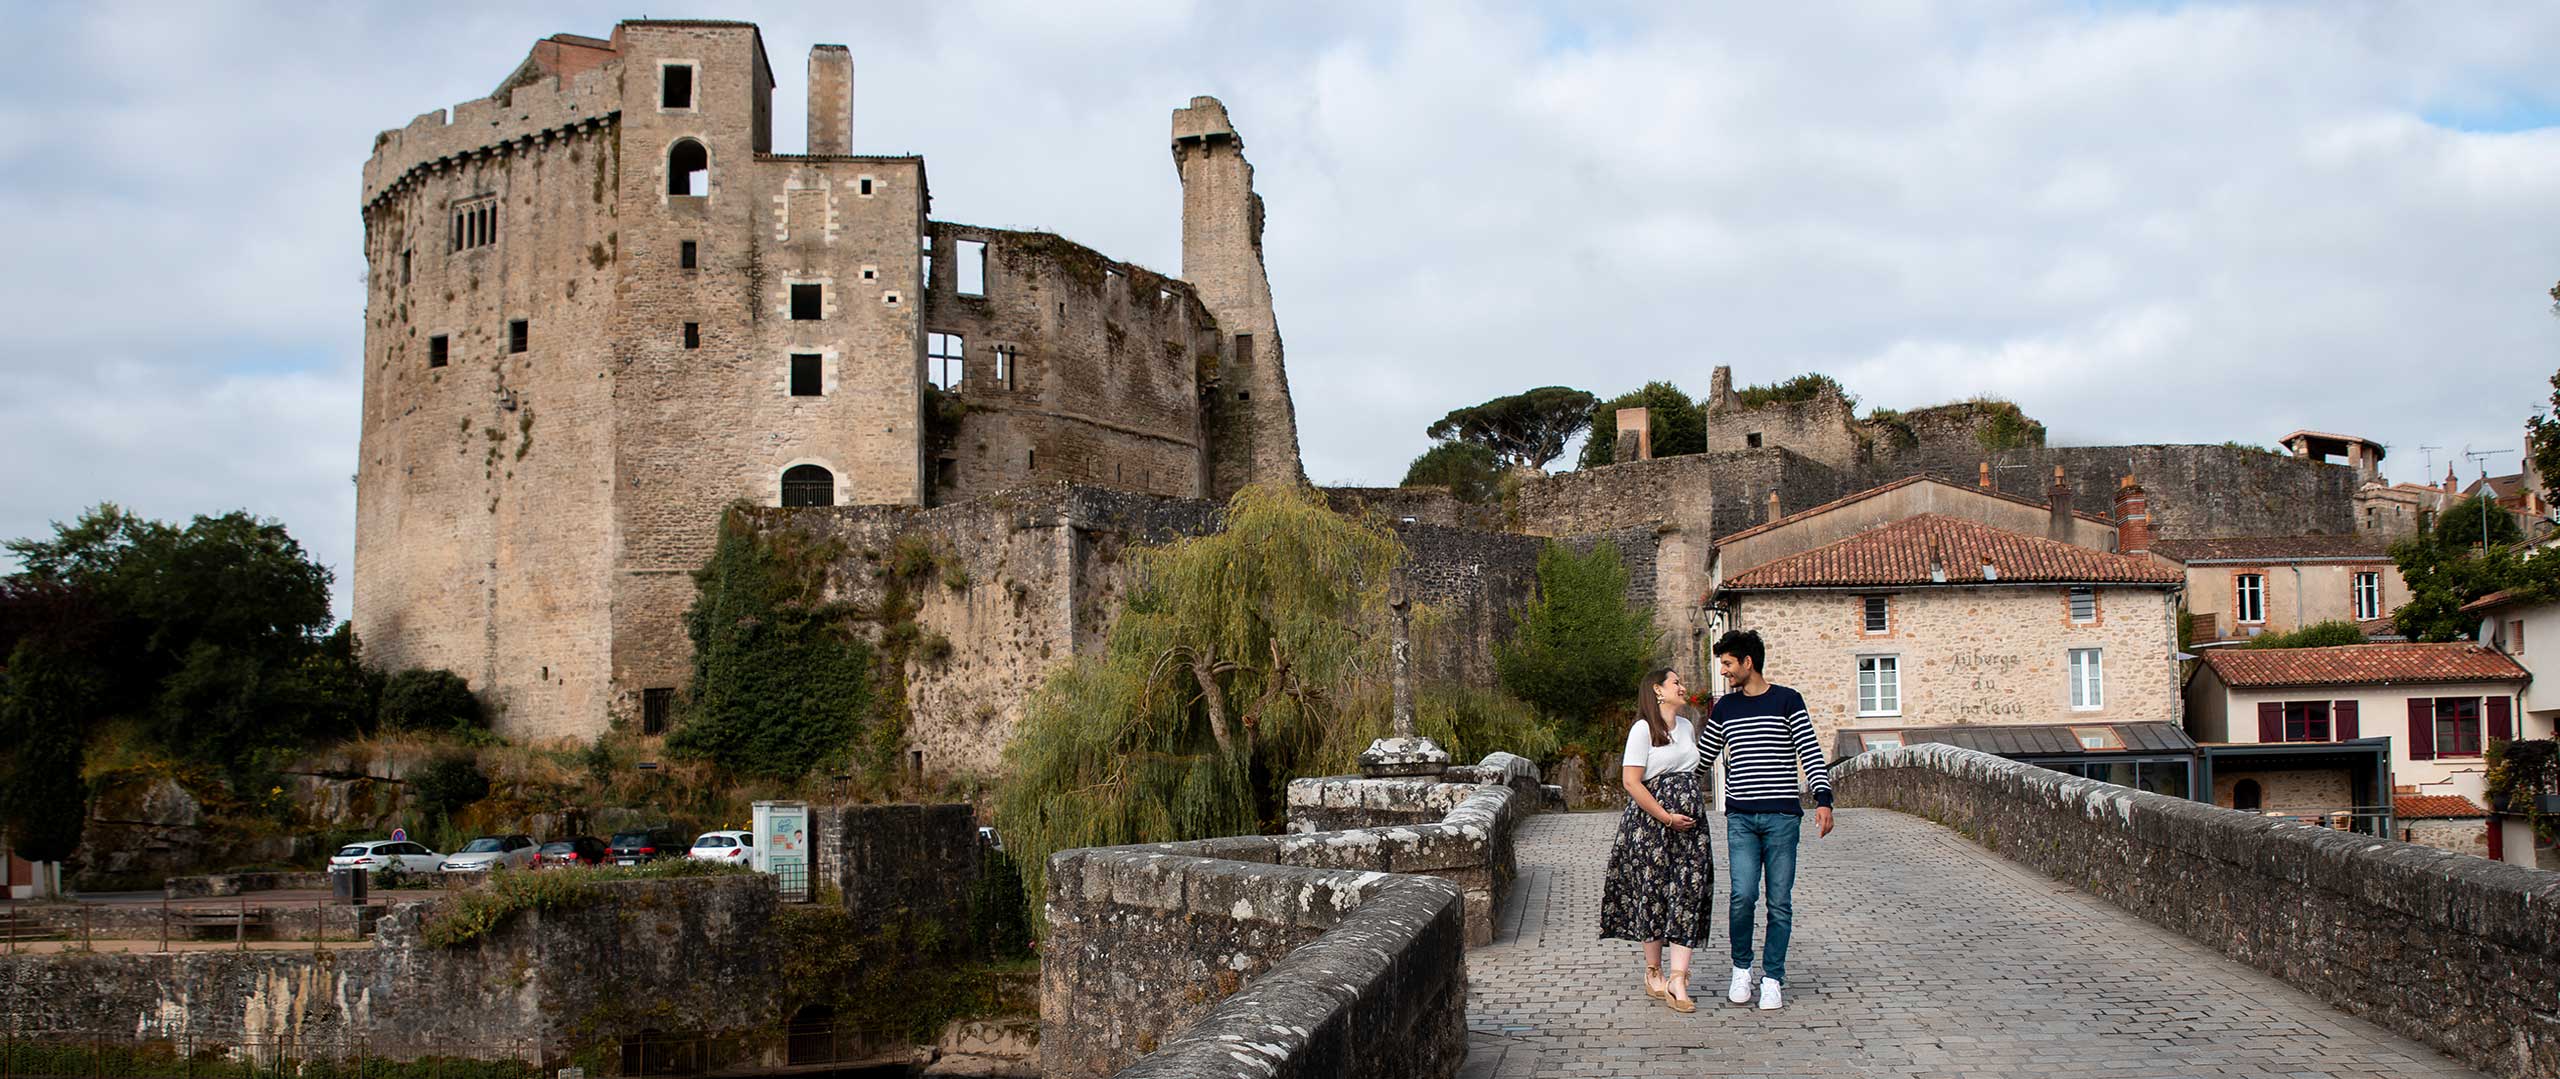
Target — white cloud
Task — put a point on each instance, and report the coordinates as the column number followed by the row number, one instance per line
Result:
column 2181, row 224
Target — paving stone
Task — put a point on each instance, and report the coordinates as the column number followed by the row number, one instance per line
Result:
column 1916, row 954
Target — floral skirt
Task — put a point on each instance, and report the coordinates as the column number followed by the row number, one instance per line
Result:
column 1661, row 883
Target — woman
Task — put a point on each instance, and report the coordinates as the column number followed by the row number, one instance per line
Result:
column 1661, row 886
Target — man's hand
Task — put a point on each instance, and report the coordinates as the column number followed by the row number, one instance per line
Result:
column 1821, row 821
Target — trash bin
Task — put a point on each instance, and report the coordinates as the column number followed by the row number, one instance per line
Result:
column 349, row 886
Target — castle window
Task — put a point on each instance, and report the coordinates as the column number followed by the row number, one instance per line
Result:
column 1752, row 440
column 404, row 264
column 946, row 472
column 973, row 268
column 928, row 260
column 687, row 255
column 1004, row 366
column 808, row 375
column 519, row 335
column 866, row 187
column 655, row 704
column 688, row 169
column 945, row 360
column 1031, row 459
column 808, row 302
column 693, row 335
column 475, row 225
column 808, row 485
column 675, row 86
column 436, row 354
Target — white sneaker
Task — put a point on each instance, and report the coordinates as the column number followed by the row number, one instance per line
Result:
column 1769, row 1000
column 1741, row 991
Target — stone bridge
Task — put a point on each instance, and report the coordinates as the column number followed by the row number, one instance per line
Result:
column 1971, row 916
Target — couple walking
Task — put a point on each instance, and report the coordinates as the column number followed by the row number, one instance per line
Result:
column 1661, row 884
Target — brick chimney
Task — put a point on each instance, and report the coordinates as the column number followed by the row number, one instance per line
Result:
column 2449, row 482
column 2059, row 498
column 830, row 99
column 1984, row 480
column 1773, row 506
column 2133, row 518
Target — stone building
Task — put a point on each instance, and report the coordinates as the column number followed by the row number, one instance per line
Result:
column 2239, row 587
column 1929, row 604
column 603, row 291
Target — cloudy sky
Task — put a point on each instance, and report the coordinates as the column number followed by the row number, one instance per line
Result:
column 2145, row 222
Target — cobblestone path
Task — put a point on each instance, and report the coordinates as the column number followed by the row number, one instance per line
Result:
column 1916, row 953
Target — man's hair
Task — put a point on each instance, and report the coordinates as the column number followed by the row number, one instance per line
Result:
column 1744, row 644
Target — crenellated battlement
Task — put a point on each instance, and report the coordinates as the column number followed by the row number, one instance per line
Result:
column 491, row 125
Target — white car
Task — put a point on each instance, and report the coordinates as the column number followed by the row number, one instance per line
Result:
column 380, row 854
column 492, row 852
column 730, row 847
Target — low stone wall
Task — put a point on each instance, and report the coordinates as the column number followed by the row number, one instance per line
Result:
column 2459, row 952
column 1332, row 953
column 229, row 884
column 891, row 862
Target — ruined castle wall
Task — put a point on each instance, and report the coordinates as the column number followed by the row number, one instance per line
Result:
column 481, row 485
column 2196, row 491
column 1252, row 426
column 1100, row 374
column 700, row 428
column 1425, row 505
column 1823, row 428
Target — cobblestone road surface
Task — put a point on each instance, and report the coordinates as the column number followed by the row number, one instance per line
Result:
column 1916, row 953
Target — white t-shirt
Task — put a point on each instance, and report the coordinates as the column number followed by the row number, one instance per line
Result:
column 1680, row 754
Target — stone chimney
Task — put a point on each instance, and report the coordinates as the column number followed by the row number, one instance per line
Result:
column 1635, row 435
column 2133, row 518
column 2059, row 498
column 1772, row 513
column 1720, row 388
column 1984, row 479
column 830, row 99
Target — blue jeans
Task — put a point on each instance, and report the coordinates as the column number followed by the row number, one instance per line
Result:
column 1759, row 843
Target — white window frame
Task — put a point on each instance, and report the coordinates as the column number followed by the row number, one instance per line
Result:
column 2249, row 590
column 2071, row 601
column 2366, row 587
column 1879, row 684
column 2088, row 679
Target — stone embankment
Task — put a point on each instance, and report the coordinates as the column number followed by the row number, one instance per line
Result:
column 1317, row 953
column 2461, row 953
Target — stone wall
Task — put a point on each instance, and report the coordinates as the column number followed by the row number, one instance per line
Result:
column 1425, row 505
column 2195, row 491
column 892, row 863
column 2459, row 952
column 1322, row 951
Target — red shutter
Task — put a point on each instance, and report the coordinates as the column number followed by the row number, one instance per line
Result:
column 2422, row 728
column 2270, row 721
column 2342, row 720
column 2498, row 728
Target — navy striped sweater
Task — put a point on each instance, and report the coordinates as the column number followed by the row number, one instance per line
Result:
column 1763, row 741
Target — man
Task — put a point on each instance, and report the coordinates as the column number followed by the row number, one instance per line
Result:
column 1764, row 736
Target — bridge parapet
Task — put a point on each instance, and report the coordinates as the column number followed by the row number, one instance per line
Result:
column 2456, row 951
column 1332, row 953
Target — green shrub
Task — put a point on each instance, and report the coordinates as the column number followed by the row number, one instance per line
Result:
column 421, row 699
column 447, row 784
column 2315, row 635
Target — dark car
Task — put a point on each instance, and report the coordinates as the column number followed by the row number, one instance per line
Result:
column 581, row 850
column 649, row 845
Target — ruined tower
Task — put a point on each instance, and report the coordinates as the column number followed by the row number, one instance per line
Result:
column 602, row 309
column 1253, row 430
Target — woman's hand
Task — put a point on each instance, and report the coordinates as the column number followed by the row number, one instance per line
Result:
column 1679, row 822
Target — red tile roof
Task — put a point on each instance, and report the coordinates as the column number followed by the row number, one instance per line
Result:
column 2431, row 806
column 2499, row 598
column 2408, row 663
column 1906, row 481
column 2269, row 548
column 1932, row 548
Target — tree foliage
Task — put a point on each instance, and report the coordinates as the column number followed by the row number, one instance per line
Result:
column 2315, row 635
column 1468, row 470
column 782, row 678
column 448, row 783
column 1678, row 424
column 212, row 638
column 1523, row 429
column 1579, row 646
column 1233, row 662
column 2463, row 524
column 421, row 699
column 2446, row 567
column 1803, row 387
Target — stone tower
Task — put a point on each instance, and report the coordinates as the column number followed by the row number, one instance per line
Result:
column 1253, row 430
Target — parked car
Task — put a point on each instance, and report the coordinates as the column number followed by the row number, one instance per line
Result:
column 648, row 845
column 380, row 854
column 491, row 852
column 575, row 850
column 731, row 846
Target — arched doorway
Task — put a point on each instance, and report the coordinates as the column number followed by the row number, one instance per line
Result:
column 808, row 485
column 2245, row 795
column 688, row 169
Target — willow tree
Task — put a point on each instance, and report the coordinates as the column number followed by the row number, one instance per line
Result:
column 1238, row 656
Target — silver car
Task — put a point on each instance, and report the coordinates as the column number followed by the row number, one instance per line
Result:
column 380, row 854
column 492, row 852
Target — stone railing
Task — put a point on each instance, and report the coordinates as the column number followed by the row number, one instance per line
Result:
column 2459, row 952
column 1317, row 953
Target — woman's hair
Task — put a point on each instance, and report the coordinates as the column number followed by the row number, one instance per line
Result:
column 1649, row 706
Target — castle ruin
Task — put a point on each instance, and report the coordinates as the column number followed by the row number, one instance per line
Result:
column 601, row 309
